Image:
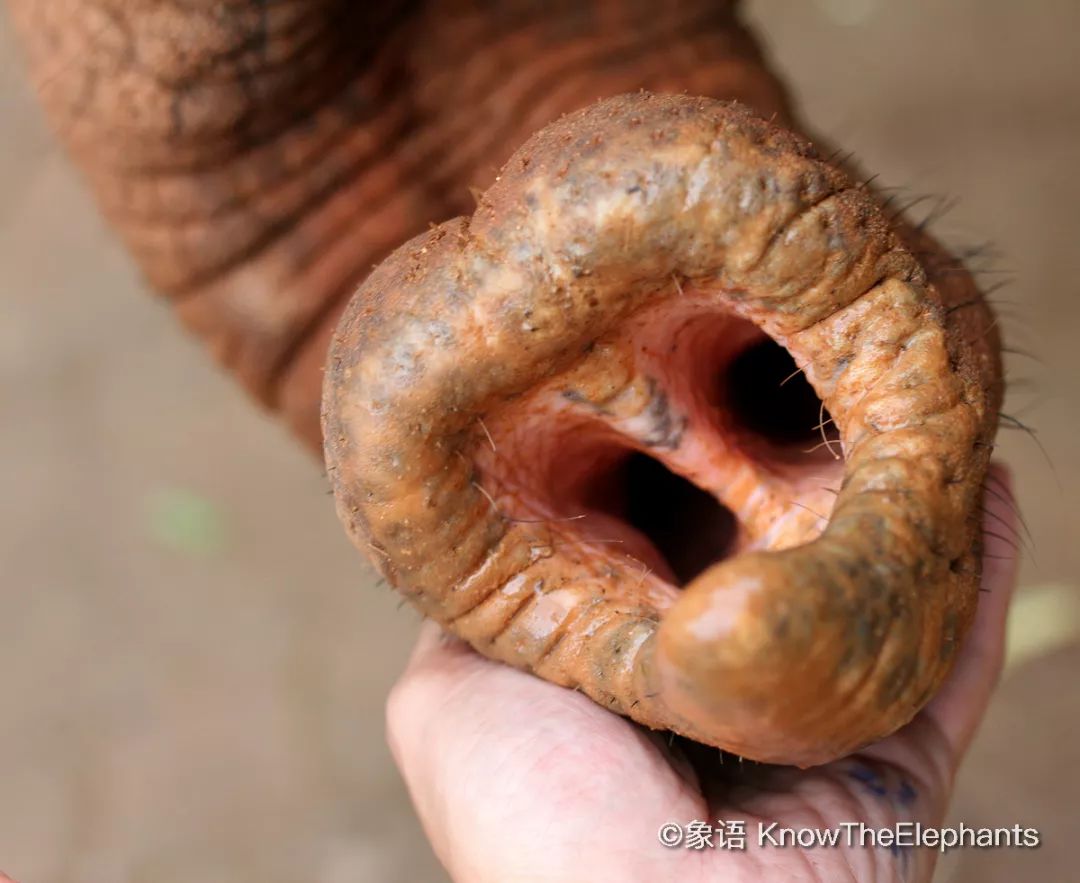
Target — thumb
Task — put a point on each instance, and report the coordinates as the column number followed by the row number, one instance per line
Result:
column 516, row 778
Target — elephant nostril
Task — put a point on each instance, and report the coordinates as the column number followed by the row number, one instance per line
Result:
column 774, row 410
column 686, row 525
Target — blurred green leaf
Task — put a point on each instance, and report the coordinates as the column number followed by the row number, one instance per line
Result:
column 186, row 522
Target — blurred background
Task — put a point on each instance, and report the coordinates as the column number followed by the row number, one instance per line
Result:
column 193, row 660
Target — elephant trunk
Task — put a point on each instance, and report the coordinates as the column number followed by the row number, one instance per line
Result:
column 258, row 159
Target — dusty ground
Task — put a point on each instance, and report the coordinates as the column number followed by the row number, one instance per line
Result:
column 192, row 660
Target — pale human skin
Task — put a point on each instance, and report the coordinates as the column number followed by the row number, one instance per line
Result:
column 515, row 779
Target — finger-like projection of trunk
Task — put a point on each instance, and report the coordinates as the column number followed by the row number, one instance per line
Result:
column 679, row 416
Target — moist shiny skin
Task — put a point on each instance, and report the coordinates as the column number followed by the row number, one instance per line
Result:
column 809, row 642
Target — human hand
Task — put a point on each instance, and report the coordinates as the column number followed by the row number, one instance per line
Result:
column 517, row 779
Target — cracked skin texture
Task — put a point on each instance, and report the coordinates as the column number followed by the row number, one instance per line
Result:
column 795, row 652
column 258, row 158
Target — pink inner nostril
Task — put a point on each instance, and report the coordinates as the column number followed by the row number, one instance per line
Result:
column 689, row 528
column 773, row 412
column 683, row 438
